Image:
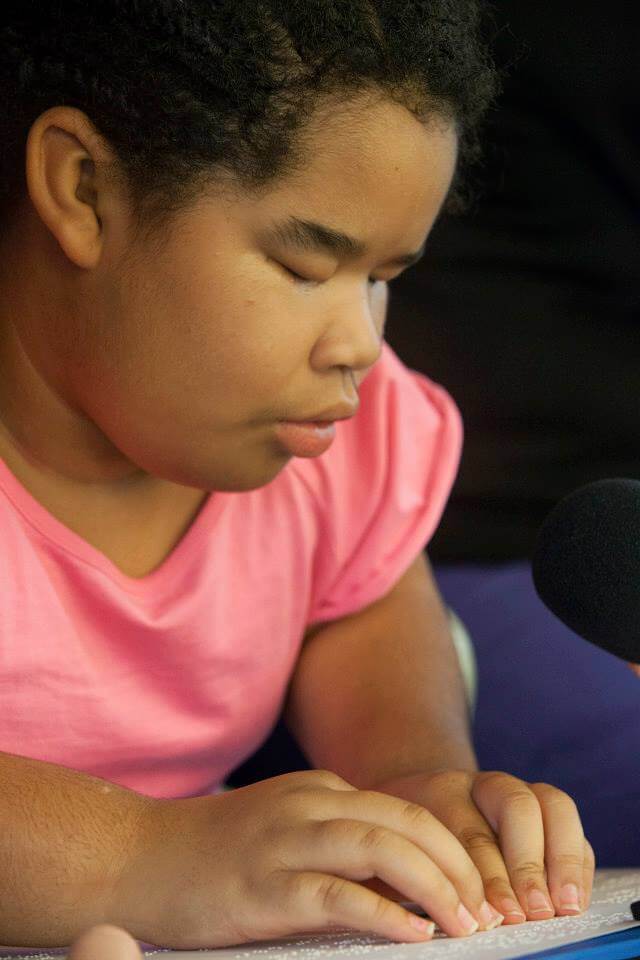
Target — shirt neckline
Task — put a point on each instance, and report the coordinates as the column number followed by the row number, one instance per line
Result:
column 71, row 542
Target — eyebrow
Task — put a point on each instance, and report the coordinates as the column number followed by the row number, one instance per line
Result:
column 307, row 235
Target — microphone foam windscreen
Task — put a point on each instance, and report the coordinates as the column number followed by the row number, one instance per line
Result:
column 586, row 564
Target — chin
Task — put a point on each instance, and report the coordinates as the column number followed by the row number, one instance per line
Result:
column 251, row 478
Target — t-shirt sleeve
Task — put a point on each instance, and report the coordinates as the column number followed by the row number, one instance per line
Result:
column 383, row 487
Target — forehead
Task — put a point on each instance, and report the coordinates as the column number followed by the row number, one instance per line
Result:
column 379, row 168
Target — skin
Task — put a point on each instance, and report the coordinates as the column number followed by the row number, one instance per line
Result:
column 105, row 942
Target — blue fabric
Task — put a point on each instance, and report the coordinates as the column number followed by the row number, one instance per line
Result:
column 613, row 946
column 552, row 707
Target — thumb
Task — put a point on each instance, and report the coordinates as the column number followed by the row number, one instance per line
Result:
column 104, row 942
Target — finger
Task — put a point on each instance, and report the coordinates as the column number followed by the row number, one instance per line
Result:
column 361, row 850
column 471, row 829
column 422, row 828
column 513, row 812
column 588, row 872
column 312, row 779
column 319, row 901
column 564, row 848
column 104, row 942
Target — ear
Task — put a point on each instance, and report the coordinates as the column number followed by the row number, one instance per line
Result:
column 66, row 163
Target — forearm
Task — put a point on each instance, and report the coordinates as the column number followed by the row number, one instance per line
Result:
column 64, row 838
column 389, row 724
column 380, row 695
column 424, row 725
column 412, row 737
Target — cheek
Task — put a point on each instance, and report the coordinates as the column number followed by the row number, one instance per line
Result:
column 210, row 333
column 220, row 327
column 380, row 305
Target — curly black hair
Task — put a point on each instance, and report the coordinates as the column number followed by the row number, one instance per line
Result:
column 190, row 92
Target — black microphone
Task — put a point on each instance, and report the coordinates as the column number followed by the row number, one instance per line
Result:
column 586, row 564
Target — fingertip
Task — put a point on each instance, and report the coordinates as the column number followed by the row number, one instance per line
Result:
column 105, row 942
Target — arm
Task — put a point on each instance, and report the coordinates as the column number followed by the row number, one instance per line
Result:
column 378, row 698
column 64, row 839
column 379, row 695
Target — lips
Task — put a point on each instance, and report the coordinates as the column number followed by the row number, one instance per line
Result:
column 313, row 423
column 310, row 439
column 344, row 411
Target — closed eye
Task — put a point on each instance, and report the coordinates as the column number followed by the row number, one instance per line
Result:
column 306, row 281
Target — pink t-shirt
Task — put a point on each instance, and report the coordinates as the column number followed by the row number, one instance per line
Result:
column 165, row 684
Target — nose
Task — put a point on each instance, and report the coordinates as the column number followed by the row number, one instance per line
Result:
column 361, row 326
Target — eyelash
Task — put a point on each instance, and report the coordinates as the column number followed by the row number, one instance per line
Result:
column 307, row 282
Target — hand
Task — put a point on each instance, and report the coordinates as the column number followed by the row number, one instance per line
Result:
column 635, row 667
column 284, row 856
column 522, row 837
column 104, row 942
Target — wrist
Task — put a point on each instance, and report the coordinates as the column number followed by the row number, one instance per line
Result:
column 140, row 900
column 399, row 769
column 417, row 787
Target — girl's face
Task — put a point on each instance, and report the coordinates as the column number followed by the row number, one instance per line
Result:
column 122, row 362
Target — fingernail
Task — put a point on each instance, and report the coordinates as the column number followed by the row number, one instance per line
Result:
column 570, row 897
column 424, row 926
column 466, row 920
column 512, row 909
column 489, row 917
column 538, row 903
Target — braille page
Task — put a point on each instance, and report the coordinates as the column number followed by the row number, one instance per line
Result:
column 613, row 892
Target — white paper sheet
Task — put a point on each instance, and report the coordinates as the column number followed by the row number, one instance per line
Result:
column 613, row 892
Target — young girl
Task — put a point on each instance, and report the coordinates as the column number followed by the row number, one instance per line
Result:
column 203, row 206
